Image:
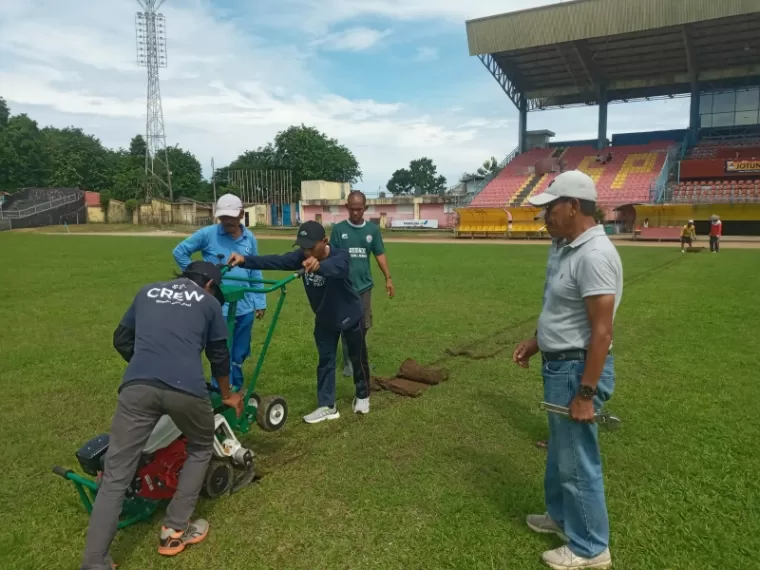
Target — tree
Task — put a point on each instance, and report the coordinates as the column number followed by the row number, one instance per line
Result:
column 490, row 167
column 5, row 113
column 77, row 159
column 311, row 155
column 401, row 182
column 128, row 181
column 187, row 176
column 22, row 156
column 130, row 205
column 420, row 178
column 105, row 202
column 308, row 153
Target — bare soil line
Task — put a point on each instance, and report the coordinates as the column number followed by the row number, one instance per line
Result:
column 725, row 243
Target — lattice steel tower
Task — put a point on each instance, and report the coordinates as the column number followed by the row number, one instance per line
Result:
column 151, row 53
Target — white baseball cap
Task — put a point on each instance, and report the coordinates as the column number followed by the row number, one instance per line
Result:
column 228, row 205
column 570, row 184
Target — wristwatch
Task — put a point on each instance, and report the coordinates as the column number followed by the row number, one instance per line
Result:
column 586, row 392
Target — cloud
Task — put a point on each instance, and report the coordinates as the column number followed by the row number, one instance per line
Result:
column 352, row 39
column 225, row 90
column 318, row 15
column 231, row 86
column 426, row 53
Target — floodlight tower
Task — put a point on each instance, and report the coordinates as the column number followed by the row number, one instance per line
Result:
column 150, row 27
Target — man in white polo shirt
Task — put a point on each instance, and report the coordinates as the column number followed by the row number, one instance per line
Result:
column 584, row 284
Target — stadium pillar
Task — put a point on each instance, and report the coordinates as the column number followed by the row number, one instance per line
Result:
column 694, row 111
column 602, row 142
column 523, row 135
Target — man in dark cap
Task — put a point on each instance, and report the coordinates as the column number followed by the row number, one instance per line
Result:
column 337, row 309
column 161, row 336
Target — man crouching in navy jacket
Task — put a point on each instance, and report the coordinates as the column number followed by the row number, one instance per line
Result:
column 337, row 309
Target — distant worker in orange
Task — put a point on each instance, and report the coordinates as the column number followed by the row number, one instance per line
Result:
column 716, row 231
column 688, row 233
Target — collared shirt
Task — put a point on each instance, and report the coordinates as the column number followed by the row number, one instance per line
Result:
column 360, row 241
column 588, row 266
column 213, row 241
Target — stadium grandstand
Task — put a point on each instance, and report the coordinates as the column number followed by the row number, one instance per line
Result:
column 601, row 52
column 34, row 207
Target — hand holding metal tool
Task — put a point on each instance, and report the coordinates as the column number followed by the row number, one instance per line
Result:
column 605, row 419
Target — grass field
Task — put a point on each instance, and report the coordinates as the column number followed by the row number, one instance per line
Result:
column 440, row 482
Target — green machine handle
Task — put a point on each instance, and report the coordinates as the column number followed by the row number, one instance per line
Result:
column 233, row 294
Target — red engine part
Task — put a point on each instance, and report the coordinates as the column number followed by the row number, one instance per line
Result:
column 159, row 476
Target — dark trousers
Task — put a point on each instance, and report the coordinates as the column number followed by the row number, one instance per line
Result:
column 367, row 321
column 327, row 346
column 714, row 243
column 139, row 408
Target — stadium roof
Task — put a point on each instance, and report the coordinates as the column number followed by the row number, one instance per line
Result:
column 566, row 54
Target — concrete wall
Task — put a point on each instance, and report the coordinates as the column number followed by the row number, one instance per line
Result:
column 444, row 213
column 159, row 212
column 323, row 190
column 117, row 213
column 383, row 213
column 258, row 215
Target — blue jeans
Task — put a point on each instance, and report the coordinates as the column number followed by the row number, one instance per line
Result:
column 573, row 484
column 241, row 349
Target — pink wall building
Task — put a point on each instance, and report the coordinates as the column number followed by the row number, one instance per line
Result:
column 384, row 211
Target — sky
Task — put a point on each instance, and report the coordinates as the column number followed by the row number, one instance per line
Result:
column 390, row 79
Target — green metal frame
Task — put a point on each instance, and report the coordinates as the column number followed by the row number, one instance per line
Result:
column 233, row 294
column 134, row 509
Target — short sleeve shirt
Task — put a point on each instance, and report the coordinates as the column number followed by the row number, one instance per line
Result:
column 588, row 266
column 173, row 322
column 361, row 241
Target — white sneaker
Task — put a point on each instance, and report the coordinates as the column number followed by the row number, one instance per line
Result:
column 563, row 558
column 322, row 414
column 544, row 524
column 361, row 405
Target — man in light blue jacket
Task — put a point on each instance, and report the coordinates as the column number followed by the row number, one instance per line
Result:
column 216, row 243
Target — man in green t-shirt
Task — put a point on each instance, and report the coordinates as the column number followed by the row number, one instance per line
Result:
column 361, row 238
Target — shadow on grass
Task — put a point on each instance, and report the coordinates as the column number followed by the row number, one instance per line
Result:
column 514, row 411
column 514, row 490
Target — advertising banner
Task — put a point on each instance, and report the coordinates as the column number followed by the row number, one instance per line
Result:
column 415, row 224
column 742, row 166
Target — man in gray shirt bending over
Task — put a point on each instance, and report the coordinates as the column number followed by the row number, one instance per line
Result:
column 584, row 284
column 161, row 336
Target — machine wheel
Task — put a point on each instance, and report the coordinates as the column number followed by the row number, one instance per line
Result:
column 272, row 413
column 219, row 479
column 253, row 405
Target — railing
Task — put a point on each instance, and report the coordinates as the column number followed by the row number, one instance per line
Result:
column 39, row 208
column 509, row 158
column 658, row 187
column 481, row 184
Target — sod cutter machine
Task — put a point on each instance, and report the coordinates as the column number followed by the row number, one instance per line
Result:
column 232, row 465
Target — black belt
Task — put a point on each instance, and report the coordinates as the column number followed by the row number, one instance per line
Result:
column 567, row 355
